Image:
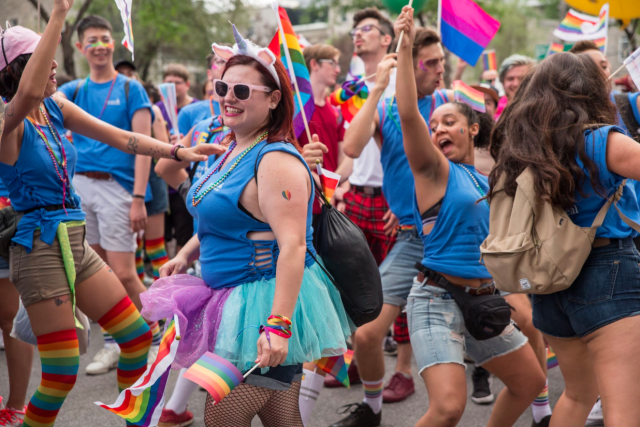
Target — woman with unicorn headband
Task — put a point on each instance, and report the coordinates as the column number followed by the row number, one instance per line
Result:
column 254, row 241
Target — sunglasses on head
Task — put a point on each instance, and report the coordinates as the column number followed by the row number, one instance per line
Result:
column 241, row 91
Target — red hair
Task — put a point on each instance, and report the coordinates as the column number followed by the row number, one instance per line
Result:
column 280, row 126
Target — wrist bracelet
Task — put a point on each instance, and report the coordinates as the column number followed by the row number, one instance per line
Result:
column 138, row 196
column 174, row 152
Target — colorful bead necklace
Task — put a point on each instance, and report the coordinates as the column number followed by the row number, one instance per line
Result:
column 197, row 198
column 482, row 193
column 64, row 176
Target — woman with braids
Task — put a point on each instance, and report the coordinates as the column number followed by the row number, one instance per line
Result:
column 560, row 125
column 52, row 266
column 454, row 223
column 254, row 241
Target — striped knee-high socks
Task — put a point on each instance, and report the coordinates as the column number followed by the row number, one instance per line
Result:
column 60, row 357
column 139, row 260
column 157, row 253
column 124, row 323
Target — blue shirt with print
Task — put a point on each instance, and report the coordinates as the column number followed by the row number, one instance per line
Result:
column 95, row 156
column 191, row 114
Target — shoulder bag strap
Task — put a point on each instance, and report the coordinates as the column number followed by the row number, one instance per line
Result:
column 613, row 200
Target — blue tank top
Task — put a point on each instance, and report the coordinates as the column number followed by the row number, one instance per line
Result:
column 227, row 256
column 585, row 209
column 33, row 181
column 453, row 246
column 397, row 182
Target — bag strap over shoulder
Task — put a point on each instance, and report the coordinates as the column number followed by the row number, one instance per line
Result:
column 614, row 200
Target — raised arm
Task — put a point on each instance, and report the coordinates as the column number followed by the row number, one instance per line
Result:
column 424, row 158
column 78, row 121
column 365, row 124
column 35, row 76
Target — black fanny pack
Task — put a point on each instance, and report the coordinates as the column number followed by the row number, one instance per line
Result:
column 485, row 316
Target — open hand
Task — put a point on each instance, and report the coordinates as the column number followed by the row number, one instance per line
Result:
column 200, row 152
column 176, row 265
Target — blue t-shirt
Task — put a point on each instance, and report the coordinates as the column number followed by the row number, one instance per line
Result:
column 33, row 181
column 191, row 114
column 94, row 156
column 397, row 182
column 633, row 99
column 585, row 209
column 453, row 246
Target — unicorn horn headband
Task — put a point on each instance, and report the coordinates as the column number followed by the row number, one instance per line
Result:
column 245, row 47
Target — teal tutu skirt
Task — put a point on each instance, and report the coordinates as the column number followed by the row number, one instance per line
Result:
column 320, row 323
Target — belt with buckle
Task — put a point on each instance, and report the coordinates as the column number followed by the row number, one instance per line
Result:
column 101, row 176
column 601, row 241
column 371, row 191
column 489, row 290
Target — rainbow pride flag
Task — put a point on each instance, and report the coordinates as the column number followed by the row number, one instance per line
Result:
column 142, row 403
column 329, row 180
column 577, row 26
column 552, row 360
column 217, row 375
column 489, row 61
column 337, row 366
column 296, row 66
column 466, row 29
column 470, row 96
column 350, row 98
column 125, row 14
column 555, row 48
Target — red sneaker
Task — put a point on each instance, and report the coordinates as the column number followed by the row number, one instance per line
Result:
column 171, row 419
column 398, row 388
column 354, row 378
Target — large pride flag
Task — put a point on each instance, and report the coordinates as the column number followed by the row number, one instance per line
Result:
column 299, row 72
column 354, row 92
column 577, row 26
column 466, row 29
column 142, row 403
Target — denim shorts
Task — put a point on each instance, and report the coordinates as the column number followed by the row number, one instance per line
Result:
column 606, row 290
column 278, row 378
column 439, row 335
column 398, row 268
column 160, row 193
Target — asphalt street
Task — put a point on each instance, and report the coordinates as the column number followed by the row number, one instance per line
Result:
column 80, row 411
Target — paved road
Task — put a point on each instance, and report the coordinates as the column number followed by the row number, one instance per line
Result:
column 79, row 410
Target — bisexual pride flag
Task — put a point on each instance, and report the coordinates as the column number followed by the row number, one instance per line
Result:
column 466, row 29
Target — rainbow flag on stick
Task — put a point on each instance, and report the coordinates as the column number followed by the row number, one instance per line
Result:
column 489, row 61
column 466, row 29
column 170, row 100
column 217, row 375
column 577, row 26
column 125, row 14
column 337, row 366
column 329, row 181
column 142, row 403
column 470, row 96
column 285, row 44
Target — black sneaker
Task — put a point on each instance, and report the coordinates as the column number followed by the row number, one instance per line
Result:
column 360, row 415
column 481, row 389
column 543, row 422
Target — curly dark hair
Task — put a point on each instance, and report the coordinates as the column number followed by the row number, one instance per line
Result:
column 543, row 126
column 484, row 121
column 10, row 76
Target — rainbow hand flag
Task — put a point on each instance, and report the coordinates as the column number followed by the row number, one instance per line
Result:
column 337, row 366
column 577, row 26
column 470, row 96
column 555, row 48
column 329, row 181
column 142, row 403
column 170, row 100
column 217, row 375
column 489, row 61
column 466, row 29
column 288, row 47
column 125, row 14
column 552, row 360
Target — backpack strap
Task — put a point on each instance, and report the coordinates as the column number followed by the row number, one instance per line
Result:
column 626, row 113
column 613, row 200
column 127, row 85
column 75, row 92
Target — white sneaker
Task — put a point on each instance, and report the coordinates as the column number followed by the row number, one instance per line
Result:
column 104, row 361
column 153, row 354
column 595, row 417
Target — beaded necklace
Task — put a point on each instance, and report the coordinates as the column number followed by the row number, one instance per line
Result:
column 197, row 198
column 64, row 176
column 482, row 194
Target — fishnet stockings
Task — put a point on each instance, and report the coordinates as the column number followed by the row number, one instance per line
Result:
column 274, row 408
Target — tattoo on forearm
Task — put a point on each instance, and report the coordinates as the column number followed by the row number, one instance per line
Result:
column 132, row 145
column 154, row 152
column 61, row 300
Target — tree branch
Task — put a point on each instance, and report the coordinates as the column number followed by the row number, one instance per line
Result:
column 43, row 13
column 80, row 15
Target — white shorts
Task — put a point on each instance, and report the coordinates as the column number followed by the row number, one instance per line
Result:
column 107, row 207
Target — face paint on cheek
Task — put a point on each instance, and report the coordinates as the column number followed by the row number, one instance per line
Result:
column 99, row 44
column 286, row 194
column 462, row 131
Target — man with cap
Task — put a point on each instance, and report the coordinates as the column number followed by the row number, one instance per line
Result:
column 126, row 68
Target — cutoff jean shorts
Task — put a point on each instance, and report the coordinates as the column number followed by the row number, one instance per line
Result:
column 398, row 268
column 439, row 335
column 606, row 290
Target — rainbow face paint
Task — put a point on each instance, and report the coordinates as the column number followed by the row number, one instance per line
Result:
column 286, row 194
column 99, row 44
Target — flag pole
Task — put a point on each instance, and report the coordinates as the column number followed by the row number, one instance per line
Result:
column 402, row 33
column 440, row 18
column 251, row 370
column 274, row 5
column 616, row 71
